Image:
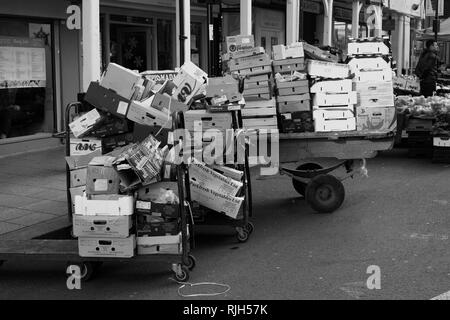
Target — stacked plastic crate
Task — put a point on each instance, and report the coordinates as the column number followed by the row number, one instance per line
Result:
column 373, row 82
column 333, row 97
column 292, row 88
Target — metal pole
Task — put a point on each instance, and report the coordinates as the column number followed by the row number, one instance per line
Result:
column 437, row 21
column 182, row 37
column 210, row 40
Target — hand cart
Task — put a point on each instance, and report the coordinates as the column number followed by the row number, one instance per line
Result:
column 206, row 216
column 324, row 192
column 60, row 245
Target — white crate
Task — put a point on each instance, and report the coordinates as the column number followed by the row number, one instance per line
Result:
column 334, row 86
column 332, row 114
column 367, row 48
column 375, row 94
column 107, row 247
column 335, row 99
column 441, row 142
column 322, row 125
column 357, row 64
column 373, row 75
column 328, row 69
column 113, row 205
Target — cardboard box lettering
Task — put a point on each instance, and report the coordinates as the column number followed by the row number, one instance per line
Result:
column 107, row 247
column 216, row 201
column 102, row 226
column 116, row 205
column 240, row 43
column 79, row 147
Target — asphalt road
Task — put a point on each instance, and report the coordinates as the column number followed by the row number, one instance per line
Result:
column 397, row 219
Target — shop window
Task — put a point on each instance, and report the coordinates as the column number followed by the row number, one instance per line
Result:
column 165, row 44
column 196, row 42
column 26, row 78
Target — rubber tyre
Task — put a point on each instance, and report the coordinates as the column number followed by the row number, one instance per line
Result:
column 183, row 276
column 325, row 194
column 87, row 269
column 243, row 236
column 300, row 187
column 249, row 227
column 192, row 262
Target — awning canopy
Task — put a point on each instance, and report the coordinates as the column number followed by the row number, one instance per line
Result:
column 443, row 35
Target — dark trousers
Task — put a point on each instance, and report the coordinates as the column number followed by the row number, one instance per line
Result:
column 427, row 89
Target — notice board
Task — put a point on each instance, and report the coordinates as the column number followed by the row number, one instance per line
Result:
column 22, row 63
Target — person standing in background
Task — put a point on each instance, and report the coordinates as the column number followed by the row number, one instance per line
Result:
column 427, row 68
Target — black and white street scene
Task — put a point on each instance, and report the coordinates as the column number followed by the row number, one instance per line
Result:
column 235, row 150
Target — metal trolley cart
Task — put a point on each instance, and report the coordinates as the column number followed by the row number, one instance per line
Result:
column 206, row 216
column 311, row 178
column 59, row 244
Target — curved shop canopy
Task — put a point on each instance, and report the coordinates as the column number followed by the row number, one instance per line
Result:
column 428, row 33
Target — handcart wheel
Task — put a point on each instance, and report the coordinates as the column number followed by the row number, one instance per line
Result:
column 249, row 227
column 325, row 193
column 191, row 262
column 242, row 235
column 300, row 187
column 183, row 274
column 87, row 269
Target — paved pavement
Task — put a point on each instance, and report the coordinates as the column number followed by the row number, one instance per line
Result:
column 397, row 219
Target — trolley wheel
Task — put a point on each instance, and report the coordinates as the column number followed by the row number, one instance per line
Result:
column 183, row 274
column 87, row 269
column 300, row 187
column 325, row 193
column 249, row 227
column 191, row 262
column 242, row 235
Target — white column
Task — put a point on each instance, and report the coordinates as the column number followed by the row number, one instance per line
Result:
column 91, row 41
column 328, row 23
column 356, row 9
column 292, row 21
column 187, row 30
column 401, row 40
column 246, row 17
column 407, row 43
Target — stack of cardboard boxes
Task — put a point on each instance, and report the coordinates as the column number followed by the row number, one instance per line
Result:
column 333, row 97
column 292, row 89
column 373, row 82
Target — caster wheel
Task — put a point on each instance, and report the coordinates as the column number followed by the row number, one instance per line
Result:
column 243, row 235
column 325, row 194
column 300, row 187
column 87, row 269
column 191, row 262
column 249, row 227
column 183, row 274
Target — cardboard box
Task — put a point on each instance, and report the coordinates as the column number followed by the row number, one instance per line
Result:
column 253, row 71
column 265, row 77
column 209, row 178
column 239, row 43
column 357, row 64
column 251, row 103
column 294, row 50
column 259, row 96
column 228, row 172
column 159, row 249
column 294, row 98
column 250, row 62
column 112, row 142
column 319, row 54
column 329, row 70
column 78, row 177
column 288, row 107
column 79, row 162
column 121, row 80
column 76, row 191
column 257, row 91
column 334, row 86
column 376, row 119
column 443, row 142
column 335, row 99
column 164, row 135
column 375, row 94
column 257, row 84
column 161, row 210
column 102, row 226
column 143, row 113
column 261, row 123
column 293, row 87
column 194, row 118
column 296, row 122
column 413, row 85
column 258, row 112
column 86, row 123
column 399, row 83
column 189, row 81
column 289, row 65
column 244, row 53
column 373, row 75
column 226, row 87
column 106, row 100
column 110, row 127
column 111, row 205
column 165, row 102
column 332, row 114
column 101, row 177
column 367, row 48
column 79, row 147
column 107, row 247
column 334, row 125
column 149, row 224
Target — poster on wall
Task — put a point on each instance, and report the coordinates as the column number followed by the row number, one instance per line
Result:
column 22, row 63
